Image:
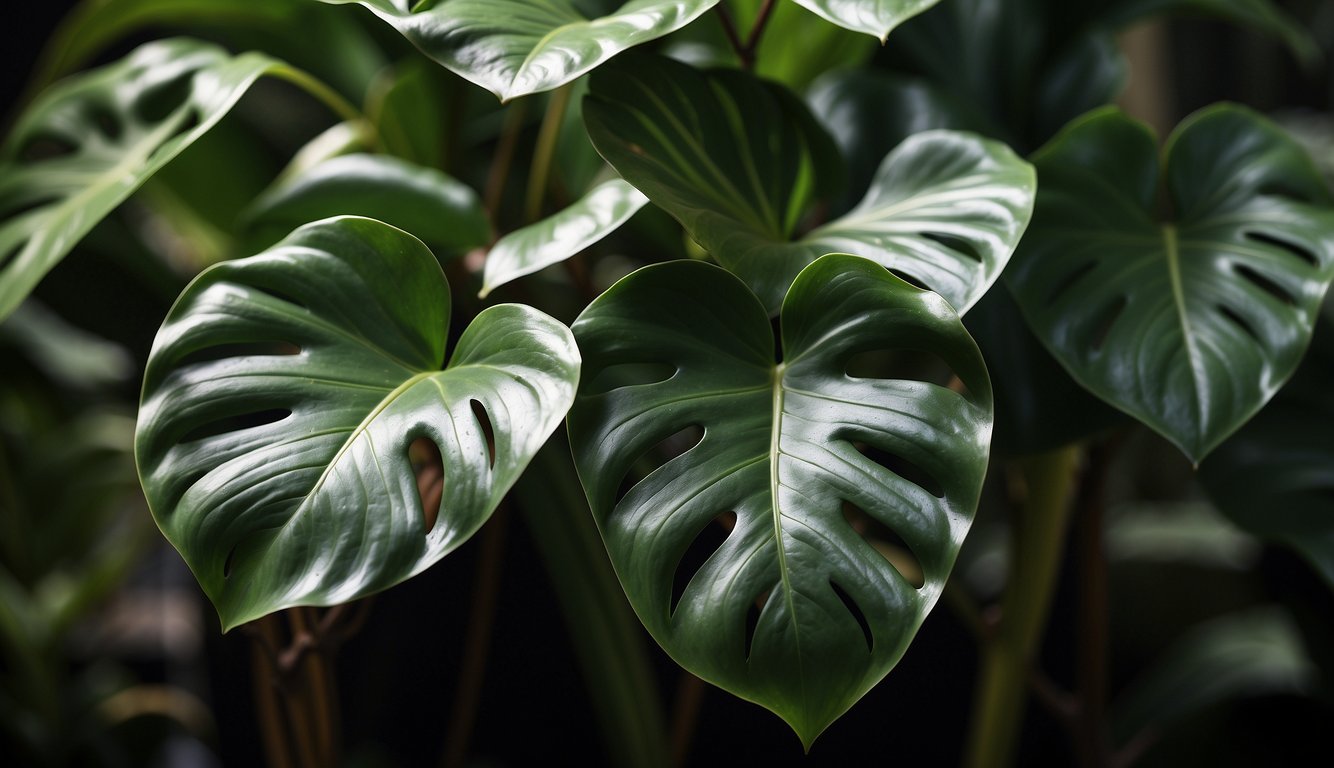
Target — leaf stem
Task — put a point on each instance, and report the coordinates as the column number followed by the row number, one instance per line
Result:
column 499, row 172
column 1091, row 732
column 543, row 152
column 330, row 98
column 685, row 716
column 745, row 51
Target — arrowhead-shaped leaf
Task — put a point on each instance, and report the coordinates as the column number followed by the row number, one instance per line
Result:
column 282, row 395
column 796, row 455
column 92, row 140
column 559, row 236
column 443, row 212
column 517, row 47
column 874, row 17
column 738, row 162
column 1193, row 323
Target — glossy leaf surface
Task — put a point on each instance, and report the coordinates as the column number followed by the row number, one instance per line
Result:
column 92, row 140
column 874, row 17
column 560, row 236
column 739, row 161
column 1189, row 325
column 282, row 395
column 517, row 47
column 794, row 455
column 443, row 212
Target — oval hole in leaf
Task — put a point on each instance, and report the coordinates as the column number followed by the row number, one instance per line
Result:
column 243, row 349
column 628, row 375
column 902, row 364
column 1069, row 281
column 44, row 147
column 903, row 468
column 236, row 423
column 1300, row 251
column 157, row 102
column 101, row 116
column 1265, row 284
column 705, row 543
column 429, row 469
column 1239, row 321
column 889, row 544
column 662, row 452
column 488, row 431
column 956, row 244
column 857, row 614
column 1102, row 328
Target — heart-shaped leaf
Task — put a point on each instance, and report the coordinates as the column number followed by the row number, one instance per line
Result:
column 282, row 395
column 1192, row 324
column 795, row 457
column 517, row 47
column 738, row 162
column 443, row 212
column 91, row 141
column 560, row 236
column 874, row 17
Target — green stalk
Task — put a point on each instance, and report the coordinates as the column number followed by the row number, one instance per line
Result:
column 1037, row 542
column 607, row 637
column 543, row 151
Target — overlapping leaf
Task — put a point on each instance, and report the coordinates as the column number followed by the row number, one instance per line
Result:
column 517, row 47
column 282, row 395
column 89, row 142
column 558, row 237
column 787, row 451
column 1192, row 324
column 874, row 17
column 739, row 161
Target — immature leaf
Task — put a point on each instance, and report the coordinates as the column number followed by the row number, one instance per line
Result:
column 443, row 212
column 282, row 395
column 738, row 161
column 796, row 454
column 92, row 140
column 517, row 47
column 1190, row 325
column 558, row 237
column 874, row 17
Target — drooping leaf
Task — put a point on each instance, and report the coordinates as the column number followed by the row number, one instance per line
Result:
column 1275, row 477
column 794, row 457
column 1193, row 323
column 443, row 212
column 282, row 395
column 562, row 235
column 873, row 17
column 517, row 47
column 91, row 141
column 739, row 161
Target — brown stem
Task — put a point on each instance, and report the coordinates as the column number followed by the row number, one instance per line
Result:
column 272, row 724
column 314, row 679
column 733, row 39
column 481, row 620
column 685, row 716
column 1091, row 739
column 757, row 31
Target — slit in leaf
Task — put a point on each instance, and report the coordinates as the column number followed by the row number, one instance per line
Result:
column 1102, row 327
column 857, row 614
column 45, row 147
column 107, row 123
column 240, row 349
column 488, row 431
column 705, row 543
column 776, row 331
column 1300, row 251
column 956, row 244
column 235, row 423
column 429, row 470
column 753, row 619
column 887, row 543
column 1068, row 282
column 659, row 454
column 1239, row 321
column 902, row 467
column 628, row 375
column 159, row 100
column 1265, row 284
column 1279, row 189
column 901, row 364
column 909, row 279
column 229, row 562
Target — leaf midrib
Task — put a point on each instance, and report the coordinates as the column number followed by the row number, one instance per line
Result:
column 1172, row 252
column 775, row 452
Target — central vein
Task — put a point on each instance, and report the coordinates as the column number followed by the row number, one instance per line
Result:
column 1173, row 252
column 775, row 439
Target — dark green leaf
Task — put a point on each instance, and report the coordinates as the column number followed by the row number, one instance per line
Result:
column 441, row 211
column 739, row 161
column 800, row 456
column 517, row 47
column 1190, row 324
column 88, row 143
column 874, row 17
column 560, row 236
column 283, row 393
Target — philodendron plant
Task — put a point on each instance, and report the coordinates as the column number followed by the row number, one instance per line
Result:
column 774, row 405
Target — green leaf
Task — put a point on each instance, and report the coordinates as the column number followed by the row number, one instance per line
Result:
column 1192, row 324
column 91, row 141
column 558, row 237
column 873, row 17
column 1275, row 477
column 797, row 454
column 282, row 395
column 439, row 210
column 517, row 47
column 739, row 161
